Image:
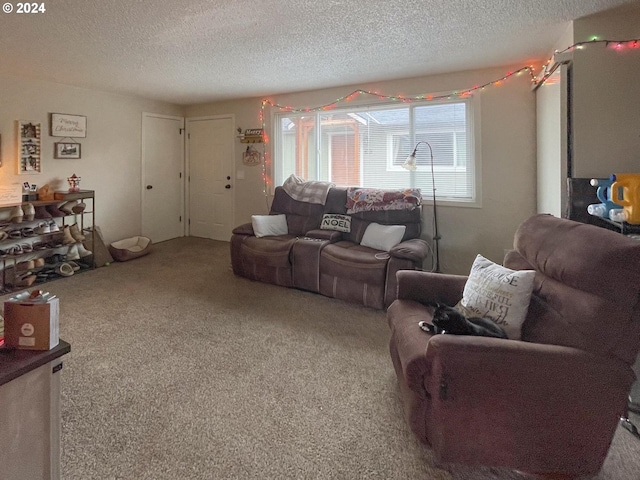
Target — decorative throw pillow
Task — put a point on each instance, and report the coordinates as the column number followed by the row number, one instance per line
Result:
column 337, row 222
column 382, row 237
column 498, row 294
column 269, row 225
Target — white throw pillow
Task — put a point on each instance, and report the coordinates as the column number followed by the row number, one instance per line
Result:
column 382, row 237
column 337, row 222
column 268, row 225
column 499, row 294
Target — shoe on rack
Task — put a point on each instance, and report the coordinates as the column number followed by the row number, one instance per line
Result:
column 28, row 232
column 53, row 227
column 25, row 266
column 76, row 233
column 16, row 214
column 3, row 235
column 83, row 252
column 67, row 207
column 29, row 212
column 38, row 262
column 73, row 253
column 26, row 281
column 64, row 269
column 68, row 238
column 74, row 265
column 42, row 228
column 78, row 207
column 55, row 211
column 41, row 212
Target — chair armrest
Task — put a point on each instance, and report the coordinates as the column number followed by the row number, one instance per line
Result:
column 331, row 235
column 428, row 287
column 244, row 229
column 522, row 404
column 533, row 386
column 415, row 250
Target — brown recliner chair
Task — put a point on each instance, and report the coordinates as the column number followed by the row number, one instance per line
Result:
column 551, row 402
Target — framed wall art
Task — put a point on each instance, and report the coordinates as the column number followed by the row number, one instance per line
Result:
column 65, row 125
column 66, row 150
column 29, row 146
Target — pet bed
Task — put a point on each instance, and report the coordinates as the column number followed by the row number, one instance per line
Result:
column 130, row 248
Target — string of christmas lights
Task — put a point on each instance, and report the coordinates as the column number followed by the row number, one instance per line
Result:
column 633, row 43
column 618, row 45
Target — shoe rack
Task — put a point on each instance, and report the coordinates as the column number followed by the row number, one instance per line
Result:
column 43, row 240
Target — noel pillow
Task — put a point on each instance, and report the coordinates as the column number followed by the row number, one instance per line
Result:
column 268, row 225
column 498, row 294
column 337, row 222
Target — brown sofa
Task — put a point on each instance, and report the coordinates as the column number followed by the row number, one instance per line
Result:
column 551, row 402
column 325, row 261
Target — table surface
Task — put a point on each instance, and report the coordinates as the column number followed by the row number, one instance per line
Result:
column 14, row 362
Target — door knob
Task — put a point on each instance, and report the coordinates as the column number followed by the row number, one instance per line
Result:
column 149, row 187
column 227, row 186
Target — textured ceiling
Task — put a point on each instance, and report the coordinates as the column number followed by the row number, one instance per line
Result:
column 194, row 51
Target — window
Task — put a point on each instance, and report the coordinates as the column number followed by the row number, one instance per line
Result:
column 366, row 146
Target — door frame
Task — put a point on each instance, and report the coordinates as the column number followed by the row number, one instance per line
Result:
column 187, row 176
column 143, row 166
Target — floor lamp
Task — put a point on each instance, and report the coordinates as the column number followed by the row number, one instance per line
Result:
column 410, row 164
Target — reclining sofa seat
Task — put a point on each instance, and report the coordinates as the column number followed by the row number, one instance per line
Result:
column 551, row 402
column 333, row 264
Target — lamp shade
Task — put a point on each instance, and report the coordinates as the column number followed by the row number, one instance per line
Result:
column 410, row 162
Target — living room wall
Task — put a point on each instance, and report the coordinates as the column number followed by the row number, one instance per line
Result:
column 110, row 162
column 606, row 95
column 507, row 132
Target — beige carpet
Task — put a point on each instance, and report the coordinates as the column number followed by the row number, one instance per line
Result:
column 180, row 370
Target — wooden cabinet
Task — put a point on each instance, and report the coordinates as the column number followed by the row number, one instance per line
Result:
column 35, row 251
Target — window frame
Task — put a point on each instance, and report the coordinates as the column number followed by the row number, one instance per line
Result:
column 473, row 140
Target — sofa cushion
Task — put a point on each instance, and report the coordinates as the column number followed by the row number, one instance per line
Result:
column 349, row 260
column 269, row 225
column 382, row 237
column 269, row 251
column 301, row 216
column 498, row 294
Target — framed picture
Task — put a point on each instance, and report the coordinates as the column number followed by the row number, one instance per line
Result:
column 72, row 126
column 29, row 139
column 66, row 150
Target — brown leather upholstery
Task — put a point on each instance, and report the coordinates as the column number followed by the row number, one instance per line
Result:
column 337, row 267
column 551, row 402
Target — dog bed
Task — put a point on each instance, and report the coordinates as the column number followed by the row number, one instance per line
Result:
column 130, row 248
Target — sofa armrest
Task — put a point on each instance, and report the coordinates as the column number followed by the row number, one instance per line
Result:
column 428, row 287
column 491, row 394
column 331, row 235
column 244, row 229
column 415, row 250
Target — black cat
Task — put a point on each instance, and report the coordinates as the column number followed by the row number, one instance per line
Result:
column 448, row 320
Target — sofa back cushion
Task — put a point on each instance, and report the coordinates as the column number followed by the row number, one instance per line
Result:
column 301, row 216
column 337, row 203
column 587, row 288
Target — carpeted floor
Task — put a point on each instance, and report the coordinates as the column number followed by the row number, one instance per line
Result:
column 180, row 370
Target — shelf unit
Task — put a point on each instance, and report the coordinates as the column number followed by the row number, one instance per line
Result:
column 17, row 271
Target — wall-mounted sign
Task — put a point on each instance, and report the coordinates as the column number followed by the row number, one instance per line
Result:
column 251, row 157
column 251, row 135
column 64, row 125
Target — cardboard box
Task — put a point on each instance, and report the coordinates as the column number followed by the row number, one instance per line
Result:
column 32, row 326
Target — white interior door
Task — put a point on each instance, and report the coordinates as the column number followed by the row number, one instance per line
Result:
column 162, row 177
column 210, row 147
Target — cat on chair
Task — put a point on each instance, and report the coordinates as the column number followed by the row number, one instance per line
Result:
column 448, row 320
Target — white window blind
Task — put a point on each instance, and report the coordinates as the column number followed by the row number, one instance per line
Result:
column 366, row 146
